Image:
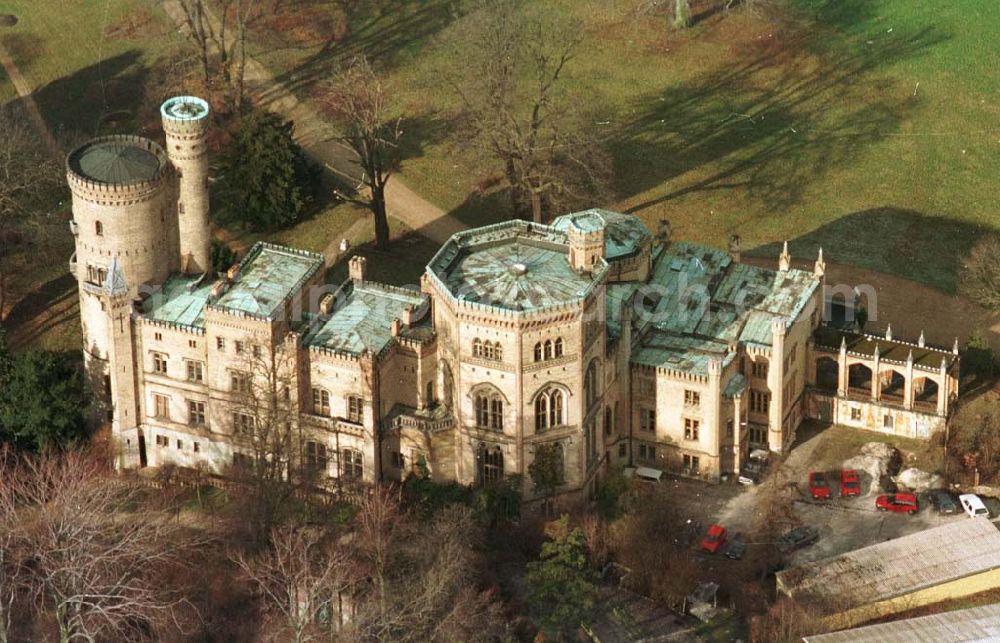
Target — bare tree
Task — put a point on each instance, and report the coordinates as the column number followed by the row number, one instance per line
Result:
column 93, row 560
column 511, row 79
column 980, row 276
column 27, row 176
column 222, row 35
column 265, row 425
column 301, row 579
column 360, row 101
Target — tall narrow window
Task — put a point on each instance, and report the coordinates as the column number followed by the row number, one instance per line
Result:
column 558, row 347
column 351, row 464
column 542, row 412
column 487, row 349
column 196, row 413
column 159, row 363
column 482, row 411
column 99, row 228
column 555, row 408
column 477, row 347
column 490, row 464
column 195, row 371
column 161, row 406
column 497, row 351
column 355, row 409
column 496, row 413
column 315, row 457
column 538, row 352
column 548, row 349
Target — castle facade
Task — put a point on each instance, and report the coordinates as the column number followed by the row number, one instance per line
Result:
column 592, row 340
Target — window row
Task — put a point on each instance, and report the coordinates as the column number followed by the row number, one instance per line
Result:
column 549, row 349
column 321, row 405
column 760, row 401
column 164, row 441
column 239, row 347
column 487, row 349
column 96, row 275
column 316, row 458
column 195, row 410
column 194, row 371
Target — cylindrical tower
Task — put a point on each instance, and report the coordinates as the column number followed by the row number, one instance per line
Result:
column 122, row 205
column 185, row 123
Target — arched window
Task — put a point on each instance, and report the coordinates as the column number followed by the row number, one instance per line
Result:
column 477, row 348
column 542, row 412
column 487, row 349
column 590, row 384
column 559, row 347
column 99, row 228
column 497, row 351
column 555, row 408
column 490, row 464
column 489, row 411
column 538, row 352
column 548, row 349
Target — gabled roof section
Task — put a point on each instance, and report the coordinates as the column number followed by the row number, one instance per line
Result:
column 267, row 277
column 362, row 317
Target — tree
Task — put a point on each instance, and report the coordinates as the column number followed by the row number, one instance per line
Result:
column 980, row 278
column 511, row 62
column 265, row 420
column 547, row 469
column 266, row 180
column 223, row 257
column 359, row 100
column 682, row 14
column 974, row 435
column 561, row 581
column 979, row 357
column 301, row 579
column 42, row 400
column 221, row 35
column 28, row 178
column 90, row 559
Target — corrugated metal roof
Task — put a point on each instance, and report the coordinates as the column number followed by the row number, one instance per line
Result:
column 973, row 624
column 896, row 567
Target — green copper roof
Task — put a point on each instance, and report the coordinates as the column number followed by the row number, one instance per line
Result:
column 687, row 354
column 362, row 318
column 118, row 160
column 181, row 300
column 513, row 265
column 267, row 276
column 624, row 234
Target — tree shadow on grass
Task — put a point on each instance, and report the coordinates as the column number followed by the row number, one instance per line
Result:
column 913, row 245
column 401, row 265
column 384, row 36
column 79, row 105
column 769, row 126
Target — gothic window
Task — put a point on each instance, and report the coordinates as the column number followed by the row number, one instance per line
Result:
column 538, row 352
column 99, row 228
column 497, row 351
column 549, row 409
column 541, row 412
column 160, row 363
column 489, row 411
column 477, row 348
column 558, row 347
column 590, row 384
column 489, row 461
column 487, row 349
column 548, row 349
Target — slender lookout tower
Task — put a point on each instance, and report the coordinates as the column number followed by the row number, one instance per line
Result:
column 185, row 123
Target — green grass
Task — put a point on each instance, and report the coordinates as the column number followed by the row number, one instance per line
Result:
column 838, row 443
column 868, row 127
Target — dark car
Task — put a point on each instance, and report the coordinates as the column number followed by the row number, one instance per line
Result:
column 943, row 501
column 736, row 548
column 898, row 502
column 798, row 538
column 751, row 472
column 819, row 488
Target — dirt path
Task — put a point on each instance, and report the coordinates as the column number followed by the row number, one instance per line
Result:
column 319, row 139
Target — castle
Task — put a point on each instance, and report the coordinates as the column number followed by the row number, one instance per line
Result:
column 591, row 338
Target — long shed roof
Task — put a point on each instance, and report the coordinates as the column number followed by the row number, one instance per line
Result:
column 973, row 624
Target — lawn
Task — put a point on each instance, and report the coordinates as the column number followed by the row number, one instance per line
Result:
column 868, row 127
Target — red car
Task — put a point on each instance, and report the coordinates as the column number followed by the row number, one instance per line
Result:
column 850, row 484
column 714, row 539
column 818, row 486
column 900, row 502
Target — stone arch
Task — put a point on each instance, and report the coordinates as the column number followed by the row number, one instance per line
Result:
column 892, row 384
column 926, row 390
column 859, row 377
column 827, row 373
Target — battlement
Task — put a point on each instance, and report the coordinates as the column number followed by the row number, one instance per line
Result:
column 119, row 167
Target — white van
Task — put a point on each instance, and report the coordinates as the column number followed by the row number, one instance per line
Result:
column 973, row 505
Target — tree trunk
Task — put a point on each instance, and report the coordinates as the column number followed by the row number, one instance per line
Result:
column 381, row 218
column 536, row 207
column 682, row 14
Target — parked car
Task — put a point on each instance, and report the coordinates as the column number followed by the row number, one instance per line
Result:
column 736, row 548
column 798, row 538
column 973, row 505
column 898, row 502
column 714, row 539
column 753, row 468
column 943, row 500
column 818, row 486
column 850, row 484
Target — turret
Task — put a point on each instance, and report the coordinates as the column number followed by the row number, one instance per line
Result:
column 185, row 123
column 586, row 245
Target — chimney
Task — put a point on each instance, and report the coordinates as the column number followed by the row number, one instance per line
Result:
column 396, row 327
column 358, row 268
column 586, row 246
column 784, row 259
column 663, row 231
column 326, row 304
column 233, row 272
column 735, row 244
